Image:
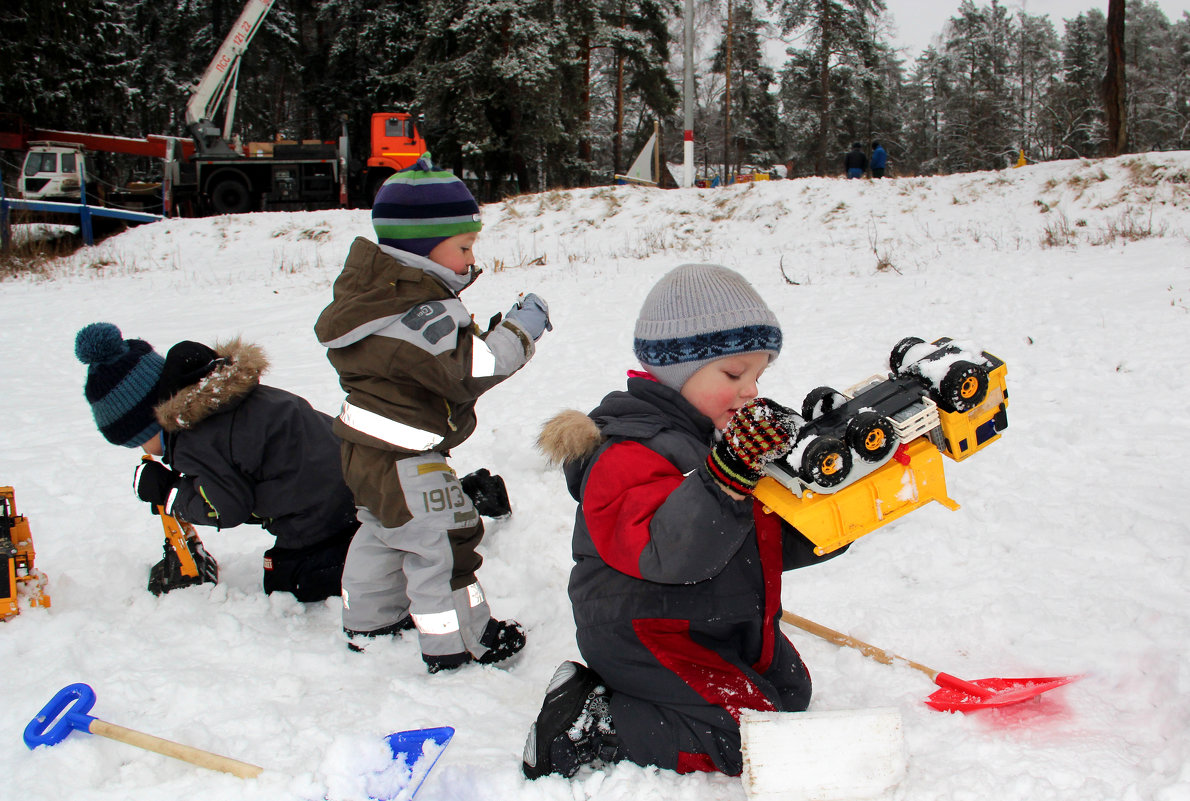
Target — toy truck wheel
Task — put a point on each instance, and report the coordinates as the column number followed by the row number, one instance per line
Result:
column 871, row 436
column 964, row 387
column 899, row 350
column 376, row 181
column 820, row 401
column 826, row 461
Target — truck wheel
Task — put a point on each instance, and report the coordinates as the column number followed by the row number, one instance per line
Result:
column 230, row 196
column 826, row 462
column 899, row 350
column 374, row 184
column 963, row 387
column 820, row 401
column 871, row 436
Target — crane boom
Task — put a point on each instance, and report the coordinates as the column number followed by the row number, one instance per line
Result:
column 218, row 83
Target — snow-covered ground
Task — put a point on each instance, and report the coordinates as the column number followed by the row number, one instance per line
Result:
column 1069, row 555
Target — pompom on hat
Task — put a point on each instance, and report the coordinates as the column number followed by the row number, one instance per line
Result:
column 422, row 205
column 698, row 313
column 122, row 376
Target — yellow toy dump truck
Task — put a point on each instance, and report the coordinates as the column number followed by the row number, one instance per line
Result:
column 18, row 577
column 871, row 454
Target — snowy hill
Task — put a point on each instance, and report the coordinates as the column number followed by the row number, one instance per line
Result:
column 1070, row 553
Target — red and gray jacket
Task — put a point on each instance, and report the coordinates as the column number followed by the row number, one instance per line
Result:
column 656, row 539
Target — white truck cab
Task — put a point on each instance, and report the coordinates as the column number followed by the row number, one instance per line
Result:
column 53, row 171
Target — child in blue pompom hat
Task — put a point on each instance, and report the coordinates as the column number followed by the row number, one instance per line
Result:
column 413, row 365
column 279, row 470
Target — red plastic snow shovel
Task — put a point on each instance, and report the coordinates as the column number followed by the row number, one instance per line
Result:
column 67, row 712
column 956, row 695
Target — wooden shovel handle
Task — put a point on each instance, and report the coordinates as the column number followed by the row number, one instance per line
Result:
column 186, row 753
column 838, row 638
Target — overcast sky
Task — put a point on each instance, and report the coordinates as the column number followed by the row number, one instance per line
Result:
column 919, row 21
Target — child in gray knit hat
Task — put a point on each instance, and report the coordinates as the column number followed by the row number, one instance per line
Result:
column 676, row 588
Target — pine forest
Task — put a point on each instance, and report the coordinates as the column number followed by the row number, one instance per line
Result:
column 524, row 95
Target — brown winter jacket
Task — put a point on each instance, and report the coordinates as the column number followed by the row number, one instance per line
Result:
column 412, row 363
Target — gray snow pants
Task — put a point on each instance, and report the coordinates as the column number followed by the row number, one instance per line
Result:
column 413, row 569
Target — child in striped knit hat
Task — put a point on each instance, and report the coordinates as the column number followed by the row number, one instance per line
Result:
column 413, row 365
column 676, row 587
column 232, row 451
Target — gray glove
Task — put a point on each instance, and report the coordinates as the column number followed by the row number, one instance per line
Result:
column 532, row 314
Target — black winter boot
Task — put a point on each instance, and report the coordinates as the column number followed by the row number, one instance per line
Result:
column 574, row 726
column 402, row 625
column 487, row 492
column 502, row 638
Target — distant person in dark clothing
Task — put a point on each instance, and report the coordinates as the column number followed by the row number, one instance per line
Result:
column 879, row 159
column 855, row 162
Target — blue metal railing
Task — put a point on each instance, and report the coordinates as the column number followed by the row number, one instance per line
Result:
column 84, row 210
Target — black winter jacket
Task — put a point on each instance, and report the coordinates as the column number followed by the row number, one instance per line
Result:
column 251, row 453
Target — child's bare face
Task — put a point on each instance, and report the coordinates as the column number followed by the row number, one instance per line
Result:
column 720, row 388
column 152, row 446
column 456, row 253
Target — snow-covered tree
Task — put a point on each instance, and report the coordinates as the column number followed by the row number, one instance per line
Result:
column 1074, row 116
column 62, row 63
column 1035, row 75
column 1157, row 79
column 488, row 75
column 748, row 105
column 840, row 44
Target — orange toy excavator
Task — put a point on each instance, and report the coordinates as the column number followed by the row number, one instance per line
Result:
column 185, row 562
column 18, row 577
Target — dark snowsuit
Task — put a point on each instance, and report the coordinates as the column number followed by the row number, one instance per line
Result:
column 855, row 162
column 676, row 588
column 879, row 159
column 251, row 453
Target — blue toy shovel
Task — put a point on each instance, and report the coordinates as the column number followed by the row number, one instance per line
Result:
column 418, row 750
column 67, row 712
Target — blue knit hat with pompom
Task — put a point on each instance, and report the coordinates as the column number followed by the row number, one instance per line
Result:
column 121, row 386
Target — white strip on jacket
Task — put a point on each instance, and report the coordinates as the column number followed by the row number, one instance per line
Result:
column 483, row 361
column 392, row 432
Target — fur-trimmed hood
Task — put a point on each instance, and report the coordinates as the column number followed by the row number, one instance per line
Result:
column 643, row 411
column 233, row 379
column 569, row 436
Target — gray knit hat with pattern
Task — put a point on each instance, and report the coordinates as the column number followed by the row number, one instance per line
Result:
column 698, row 313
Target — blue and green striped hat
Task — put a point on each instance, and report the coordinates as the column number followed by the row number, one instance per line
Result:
column 422, row 205
column 122, row 376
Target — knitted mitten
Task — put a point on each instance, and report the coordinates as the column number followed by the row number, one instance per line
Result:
column 759, row 432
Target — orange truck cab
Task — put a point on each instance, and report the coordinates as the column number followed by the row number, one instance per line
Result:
column 396, row 144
